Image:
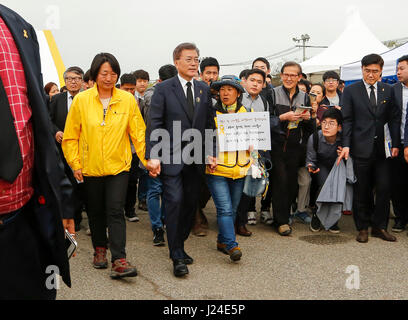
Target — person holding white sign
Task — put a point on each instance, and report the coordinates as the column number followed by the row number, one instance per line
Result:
column 226, row 180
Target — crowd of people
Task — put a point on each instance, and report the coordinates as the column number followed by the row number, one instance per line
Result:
column 324, row 137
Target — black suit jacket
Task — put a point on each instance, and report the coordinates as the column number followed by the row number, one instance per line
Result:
column 58, row 111
column 49, row 180
column 361, row 124
column 168, row 111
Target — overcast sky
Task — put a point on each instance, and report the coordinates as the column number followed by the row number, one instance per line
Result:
column 143, row 34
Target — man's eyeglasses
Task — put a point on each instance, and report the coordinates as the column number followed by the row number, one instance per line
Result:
column 330, row 124
column 331, row 81
column 73, row 79
column 191, row 60
column 374, row 72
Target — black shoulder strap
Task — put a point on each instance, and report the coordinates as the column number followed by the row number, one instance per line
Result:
column 316, row 141
column 265, row 103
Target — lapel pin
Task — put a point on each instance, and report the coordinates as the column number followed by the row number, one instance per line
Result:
column 25, row 34
column 382, row 90
column 198, row 99
column 201, row 91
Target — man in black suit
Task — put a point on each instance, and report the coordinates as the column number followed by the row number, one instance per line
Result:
column 178, row 105
column 59, row 107
column 367, row 106
column 32, row 181
column 399, row 168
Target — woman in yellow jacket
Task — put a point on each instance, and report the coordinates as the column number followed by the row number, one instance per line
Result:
column 226, row 182
column 97, row 148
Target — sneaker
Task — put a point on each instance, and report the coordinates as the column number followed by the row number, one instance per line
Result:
column 315, row 225
column 284, row 230
column 222, row 247
column 398, row 227
column 121, row 268
column 302, row 217
column 334, row 229
column 266, row 217
column 142, row 205
column 131, row 216
column 158, row 237
column 100, row 261
column 252, row 217
column 235, row 254
column 347, row 213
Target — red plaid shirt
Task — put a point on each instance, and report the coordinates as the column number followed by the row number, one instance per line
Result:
column 15, row 195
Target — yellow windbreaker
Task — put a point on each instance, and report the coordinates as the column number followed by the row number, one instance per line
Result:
column 102, row 150
column 233, row 164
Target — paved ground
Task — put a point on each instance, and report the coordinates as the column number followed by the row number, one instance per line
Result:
column 301, row 266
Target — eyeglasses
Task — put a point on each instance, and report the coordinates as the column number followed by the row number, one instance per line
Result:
column 190, row 60
column 331, row 80
column 330, row 124
column 73, row 79
column 287, row 75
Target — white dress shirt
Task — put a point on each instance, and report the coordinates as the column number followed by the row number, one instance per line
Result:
column 69, row 100
column 369, row 89
column 184, row 85
column 404, row 110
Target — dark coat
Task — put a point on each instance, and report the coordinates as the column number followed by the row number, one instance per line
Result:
column 361, row 125
column 58, row 111
column 49, row 180
column 169, row 109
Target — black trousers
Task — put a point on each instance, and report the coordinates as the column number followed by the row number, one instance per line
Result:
column 372, row 174
column 284, row 183
column 399, row 187
column 180, row 198
column 132, row 185
column 242, row 211
column 24, row 258
column 106, row 200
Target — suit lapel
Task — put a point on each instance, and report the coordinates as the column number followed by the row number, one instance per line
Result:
column 179, row 92
column 380, row 97
column 198, row 96
column 398, row 97
column 365, row 97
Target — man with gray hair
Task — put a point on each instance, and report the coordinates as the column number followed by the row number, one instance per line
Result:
column 58, row 108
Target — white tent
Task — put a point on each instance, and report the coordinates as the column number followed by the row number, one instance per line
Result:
column 355, row 42
column 52, row 66
column 352, row 71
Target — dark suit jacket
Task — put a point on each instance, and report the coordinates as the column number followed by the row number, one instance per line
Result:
column 58, row 111
column 49, row 180
column 167, row 111
column 361, row 125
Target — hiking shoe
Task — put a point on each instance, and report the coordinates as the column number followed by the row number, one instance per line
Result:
column 315, row 225
column 121, row 268
column 235, row 254
column 142, row 205
column 131, row 216
column 302, row 217
column 334, row 229
column 398, row 227
column 252, row 217
column 100, row 261
column 158, row 237
column 284, row 230
column 266, row 217
column 222, row 247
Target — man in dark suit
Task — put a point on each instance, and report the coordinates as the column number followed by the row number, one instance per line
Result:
column 178, row 105
column 59, row 107
column 399, row 166
column 32, row 180
column 367, row 106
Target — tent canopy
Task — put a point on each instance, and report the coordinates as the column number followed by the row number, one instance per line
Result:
column 52, row 66
column 352, row 71
column 355, row 42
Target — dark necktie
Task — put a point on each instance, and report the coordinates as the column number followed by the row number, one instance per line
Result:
column 190, row 101
column 373, row 100
column 11, row 161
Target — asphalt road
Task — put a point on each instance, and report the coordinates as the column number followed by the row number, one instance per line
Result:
column 304, row 265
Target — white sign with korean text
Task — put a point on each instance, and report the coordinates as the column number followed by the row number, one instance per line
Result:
column 238, row 131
